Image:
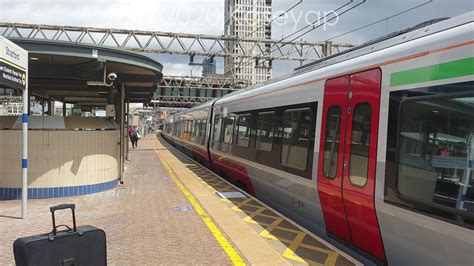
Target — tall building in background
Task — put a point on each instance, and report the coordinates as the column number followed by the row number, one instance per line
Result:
column 248, row 19
column 208, row 67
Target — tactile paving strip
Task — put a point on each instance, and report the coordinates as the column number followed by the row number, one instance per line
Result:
column 300, row 246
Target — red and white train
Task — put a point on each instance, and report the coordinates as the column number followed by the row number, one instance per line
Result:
column 373, row 147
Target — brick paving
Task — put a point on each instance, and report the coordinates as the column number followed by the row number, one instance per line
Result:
column 138, row 218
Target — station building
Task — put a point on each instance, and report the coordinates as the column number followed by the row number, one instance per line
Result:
column 71, row 154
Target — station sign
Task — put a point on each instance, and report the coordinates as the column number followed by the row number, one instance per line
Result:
column 13, row 65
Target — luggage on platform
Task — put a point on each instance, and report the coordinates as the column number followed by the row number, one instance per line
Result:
column 83, row 245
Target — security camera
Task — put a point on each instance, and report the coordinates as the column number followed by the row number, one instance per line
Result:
column 112, row 76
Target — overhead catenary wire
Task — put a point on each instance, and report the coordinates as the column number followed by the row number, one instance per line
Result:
column 249, row 62
column 374, row 23
column 325, row 22
column 316, row 21
column 268, row 23
column 319, row 24
column 314, row 27
column 381, row 20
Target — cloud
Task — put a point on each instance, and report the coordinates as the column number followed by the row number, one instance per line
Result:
column 162, row 15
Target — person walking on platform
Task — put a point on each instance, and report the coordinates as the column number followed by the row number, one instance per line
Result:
column 130, row 130
column 134, row 137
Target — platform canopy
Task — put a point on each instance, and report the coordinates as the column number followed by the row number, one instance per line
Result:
column 77, row 73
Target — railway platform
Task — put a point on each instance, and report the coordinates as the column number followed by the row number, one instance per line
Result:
column 171, row 211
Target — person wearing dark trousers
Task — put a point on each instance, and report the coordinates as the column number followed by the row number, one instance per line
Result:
column 133, row 134
column 134, row 137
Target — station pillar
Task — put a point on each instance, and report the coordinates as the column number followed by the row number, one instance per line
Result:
column 50, row 107
column 43, row 104
column 122, row 131
column 127, row 124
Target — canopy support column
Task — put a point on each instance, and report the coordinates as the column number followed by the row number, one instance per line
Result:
column 24, row 161
column 127, row 125
column 122, row 131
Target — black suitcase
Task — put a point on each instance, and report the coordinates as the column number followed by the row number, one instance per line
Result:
column 83, row 245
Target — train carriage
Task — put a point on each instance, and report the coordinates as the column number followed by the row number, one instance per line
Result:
column 373, row 147
column 189, row 131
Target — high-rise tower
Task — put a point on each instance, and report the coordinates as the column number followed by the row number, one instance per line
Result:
column 248, row 19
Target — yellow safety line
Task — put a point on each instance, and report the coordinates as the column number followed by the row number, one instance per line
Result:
column 233, row 255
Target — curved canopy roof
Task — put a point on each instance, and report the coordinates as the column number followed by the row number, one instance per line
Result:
column 75, row 73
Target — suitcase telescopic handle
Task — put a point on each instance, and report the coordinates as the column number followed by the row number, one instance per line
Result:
column 63, row 207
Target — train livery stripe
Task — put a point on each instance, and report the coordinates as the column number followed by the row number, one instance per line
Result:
column 221, row 239
column 453, row 69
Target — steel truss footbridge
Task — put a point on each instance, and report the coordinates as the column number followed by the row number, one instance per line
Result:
column 179, row 91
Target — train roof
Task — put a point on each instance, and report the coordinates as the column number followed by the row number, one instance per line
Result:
column 201, row 106
column 416, row 32
column 419, row 31
column 315, row 64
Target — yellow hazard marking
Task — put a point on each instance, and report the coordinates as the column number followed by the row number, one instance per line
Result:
column 290, row 251
column 233, row 255
column 267, row 231
column 293, row 244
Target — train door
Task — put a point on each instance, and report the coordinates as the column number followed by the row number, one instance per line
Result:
column 347, row 161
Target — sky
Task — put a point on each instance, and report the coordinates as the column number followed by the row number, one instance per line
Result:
column 207, row 17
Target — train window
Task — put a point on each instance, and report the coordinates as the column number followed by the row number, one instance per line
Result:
column 436, row 151
column 360, row 145
column 190, row 128
column 196, row 130
column 265, row 131
column 228, row 129
column 203, row 130
column 296, row 138
column 217, row 132
column 188, row 131
column 183, row 129
column 331, row 144
column 243, row 130
column 191, row 131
